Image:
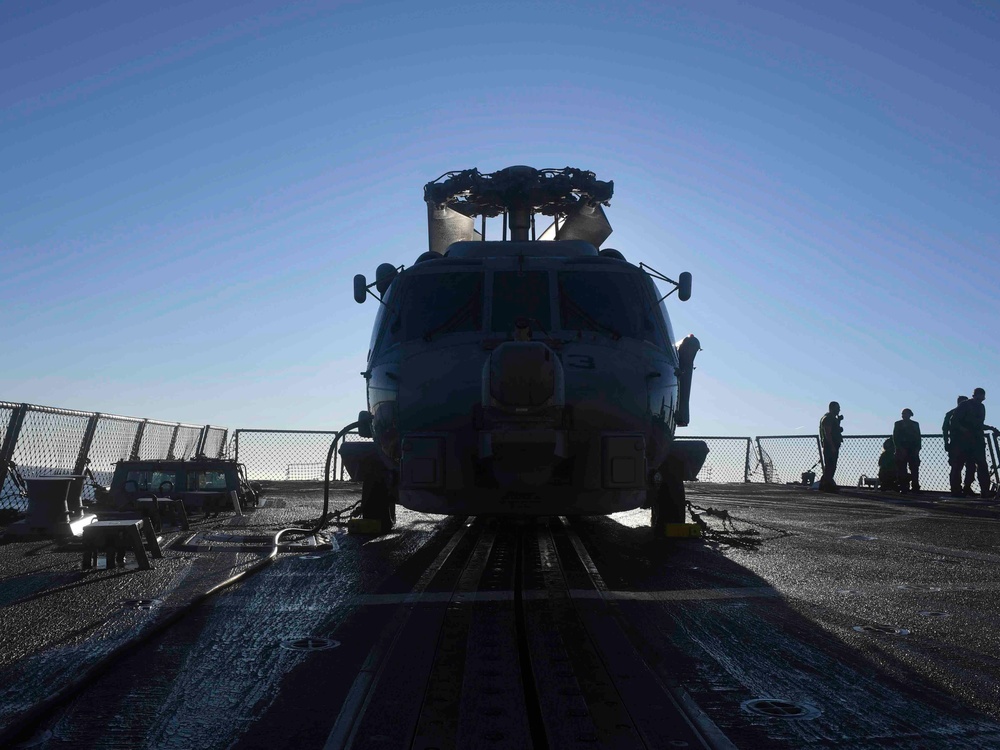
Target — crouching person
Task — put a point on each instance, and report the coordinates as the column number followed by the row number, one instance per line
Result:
column 887, row 467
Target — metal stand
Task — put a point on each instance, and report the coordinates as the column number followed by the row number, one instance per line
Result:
column 54, row 511
column 114, row 538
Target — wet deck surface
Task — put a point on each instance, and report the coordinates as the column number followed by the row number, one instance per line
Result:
column 876, row 618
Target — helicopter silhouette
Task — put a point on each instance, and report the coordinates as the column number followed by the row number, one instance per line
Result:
column 530, row 375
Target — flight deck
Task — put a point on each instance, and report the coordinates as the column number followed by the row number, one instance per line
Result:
column 797, row 619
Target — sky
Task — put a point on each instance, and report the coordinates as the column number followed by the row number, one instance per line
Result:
column 186, row 192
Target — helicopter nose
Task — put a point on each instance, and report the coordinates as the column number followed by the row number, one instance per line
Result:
column 522, row 376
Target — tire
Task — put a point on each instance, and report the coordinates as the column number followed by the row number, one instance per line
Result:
column 668, row 501
column 378, row 504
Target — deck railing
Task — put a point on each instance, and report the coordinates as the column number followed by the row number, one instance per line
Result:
column 43, row 440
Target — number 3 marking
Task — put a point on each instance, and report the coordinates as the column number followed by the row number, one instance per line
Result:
column 581, row 361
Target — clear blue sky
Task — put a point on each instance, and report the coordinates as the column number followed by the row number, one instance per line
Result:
column 186, row 193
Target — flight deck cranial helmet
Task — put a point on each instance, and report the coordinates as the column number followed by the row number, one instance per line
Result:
column 907, row 413
column 979, row 394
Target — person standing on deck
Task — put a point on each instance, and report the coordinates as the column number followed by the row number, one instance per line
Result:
column 970, row 466
column 906, row 439
column 967, row 425
column 831, row 435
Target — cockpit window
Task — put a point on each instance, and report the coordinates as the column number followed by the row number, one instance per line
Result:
column 669, row 343
column 377, row 328
column 434, row 304
column 613, row 304
column 521, row 295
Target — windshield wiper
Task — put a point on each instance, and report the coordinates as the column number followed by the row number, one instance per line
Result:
column 461, row 314
column 577, row 310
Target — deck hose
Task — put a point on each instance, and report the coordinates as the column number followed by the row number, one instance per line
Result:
column 326, row 481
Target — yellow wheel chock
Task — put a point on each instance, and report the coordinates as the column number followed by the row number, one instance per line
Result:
column 682, row 529
column 368, row 526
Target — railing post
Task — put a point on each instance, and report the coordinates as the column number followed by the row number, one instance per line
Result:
column 819, row 449
column 173, row 442
column 746, row 465
column 236, row 446
column 199, row 449
column 993, row 460
column 137, row 442
column 763, row 465
column 86, row 443
column 82, row 459
column 10, row 440
column 222, row 444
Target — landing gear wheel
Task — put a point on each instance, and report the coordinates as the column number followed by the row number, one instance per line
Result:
column 378, row 504
column 668, row 504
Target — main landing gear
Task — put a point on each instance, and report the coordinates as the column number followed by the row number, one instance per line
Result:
column 666, row 498
column 378, row 505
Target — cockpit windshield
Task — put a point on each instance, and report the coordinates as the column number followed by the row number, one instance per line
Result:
column 613, row 304
column 521, row 295
column 429, row 305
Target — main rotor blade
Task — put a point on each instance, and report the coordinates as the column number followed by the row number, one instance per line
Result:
column 445, row 226
column 587, row 223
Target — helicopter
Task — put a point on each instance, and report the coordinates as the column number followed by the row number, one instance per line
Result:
column 531, row 375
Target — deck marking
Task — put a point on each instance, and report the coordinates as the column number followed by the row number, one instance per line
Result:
column 469, row 597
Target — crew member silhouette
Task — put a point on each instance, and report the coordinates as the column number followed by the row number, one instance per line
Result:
column 967, row 442
column 906, row 439
column 970, row 466
column 831, row 435
column 887, row 467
